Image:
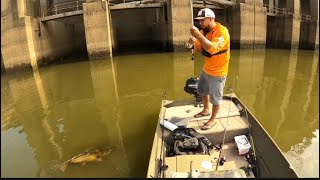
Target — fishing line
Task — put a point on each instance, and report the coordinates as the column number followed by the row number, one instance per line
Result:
column 225, row 130
column 250, row 138
column 254, row 38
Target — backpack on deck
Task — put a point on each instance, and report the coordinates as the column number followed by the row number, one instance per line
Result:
column 188, row 141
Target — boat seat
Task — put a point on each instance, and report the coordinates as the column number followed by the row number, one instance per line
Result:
column 182, row 163
column 207, row 163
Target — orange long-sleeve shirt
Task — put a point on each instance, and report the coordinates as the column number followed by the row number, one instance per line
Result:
column 217, row 65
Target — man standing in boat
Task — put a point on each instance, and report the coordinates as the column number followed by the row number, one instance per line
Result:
column 213, row 41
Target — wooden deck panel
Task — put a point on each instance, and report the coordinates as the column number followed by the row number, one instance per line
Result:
column 234, row 126
column 188, row 111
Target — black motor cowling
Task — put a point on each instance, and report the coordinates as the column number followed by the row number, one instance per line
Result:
column 191, row 87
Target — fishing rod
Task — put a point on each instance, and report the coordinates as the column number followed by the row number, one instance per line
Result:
column 192, row 47
column 225, row 130
column 242, row 111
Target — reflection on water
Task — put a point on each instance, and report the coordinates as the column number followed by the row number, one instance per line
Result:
column 304, row 156
column 49, row 116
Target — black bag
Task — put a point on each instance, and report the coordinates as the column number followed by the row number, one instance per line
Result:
column 188, row 141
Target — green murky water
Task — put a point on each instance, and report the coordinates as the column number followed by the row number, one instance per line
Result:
column 51, row 115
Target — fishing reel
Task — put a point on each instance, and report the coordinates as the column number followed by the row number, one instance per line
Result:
column 191, row 87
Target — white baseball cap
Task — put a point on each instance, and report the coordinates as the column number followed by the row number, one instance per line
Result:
column 205, row 12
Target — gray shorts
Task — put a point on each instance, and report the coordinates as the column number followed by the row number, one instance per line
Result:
column 212, row 86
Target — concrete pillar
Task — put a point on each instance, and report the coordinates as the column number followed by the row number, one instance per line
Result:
column 251, row 2
column 291, row 24
column 314, row 31
column 309, row 28
column 314, row 12
column 249, row 24
column 271, row 6
column 96, row 16
column 283, row 30
column 313, row 35
column 28, row 8
column 21, row 5
column 295, row 25
column 26, row 42
column 180, row 19
column 314, row 9
column 161, row 28
column 17, row 33
column 31, row 41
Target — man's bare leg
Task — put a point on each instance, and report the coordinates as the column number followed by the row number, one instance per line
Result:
column 205, row 101
column 215, row 110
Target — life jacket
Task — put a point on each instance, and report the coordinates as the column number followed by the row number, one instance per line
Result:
column 207, row 54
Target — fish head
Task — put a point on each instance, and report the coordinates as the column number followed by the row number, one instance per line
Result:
column 105, row 152
column 106, row 148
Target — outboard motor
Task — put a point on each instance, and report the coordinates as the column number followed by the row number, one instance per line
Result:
column 191, row 87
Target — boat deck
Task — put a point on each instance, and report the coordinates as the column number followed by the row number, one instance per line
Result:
column 233, row 118
column 228, row 118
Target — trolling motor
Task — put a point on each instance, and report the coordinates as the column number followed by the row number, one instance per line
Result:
column 191, row 87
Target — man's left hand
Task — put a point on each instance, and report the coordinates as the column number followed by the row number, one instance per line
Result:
column 194, row 31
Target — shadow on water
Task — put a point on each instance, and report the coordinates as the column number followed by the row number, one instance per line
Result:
column 139, row 48
column 71, row 58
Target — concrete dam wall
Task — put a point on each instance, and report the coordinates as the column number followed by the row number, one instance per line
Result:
column 34, row 33
column 26, row 42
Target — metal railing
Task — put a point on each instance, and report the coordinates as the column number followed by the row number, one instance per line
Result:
column 115, row 2
column 63, row 7
column 77, row 5
column 275, row 10
column 306, row 17
column 225, row 3
column 284, row 11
